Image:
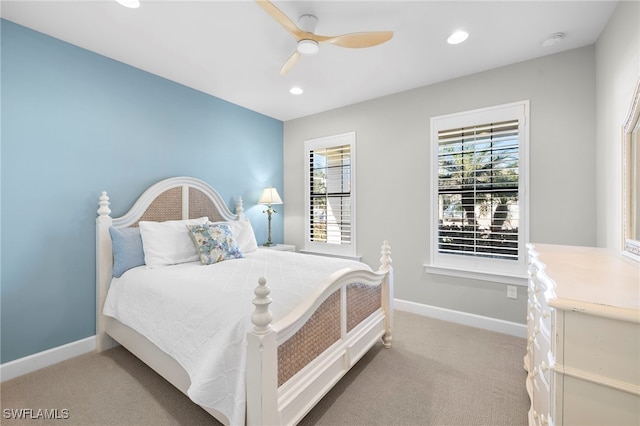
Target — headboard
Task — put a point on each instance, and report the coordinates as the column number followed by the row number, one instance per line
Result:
column 170, row 199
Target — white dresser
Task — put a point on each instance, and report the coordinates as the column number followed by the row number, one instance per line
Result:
column 583, row 347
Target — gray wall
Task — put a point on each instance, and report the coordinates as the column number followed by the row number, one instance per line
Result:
column 393, row 189
column 617, row 71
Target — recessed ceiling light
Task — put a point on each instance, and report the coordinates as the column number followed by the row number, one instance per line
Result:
column 457, row 37
column 553, row 39
column 295, row 90
column 133, row 4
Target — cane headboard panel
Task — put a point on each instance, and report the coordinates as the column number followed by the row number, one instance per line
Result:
column 169, row 206
column 175, row 199
column 166, row 206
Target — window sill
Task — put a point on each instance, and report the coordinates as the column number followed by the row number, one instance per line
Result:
column 521, row 280
column 341, row 256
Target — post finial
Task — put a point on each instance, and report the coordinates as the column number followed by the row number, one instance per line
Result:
column 104, row 209
column 261, row 317
column 240, row 208
column 385, row 260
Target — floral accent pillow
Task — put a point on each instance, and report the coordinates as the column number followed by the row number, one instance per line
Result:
column 214, row 242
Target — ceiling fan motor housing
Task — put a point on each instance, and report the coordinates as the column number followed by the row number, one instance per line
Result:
column 308, row 23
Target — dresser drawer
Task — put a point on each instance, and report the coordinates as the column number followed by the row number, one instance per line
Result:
column 590, row 404
column 606, row 349
column 543, row 314
column 541, row 398
column 541, row 350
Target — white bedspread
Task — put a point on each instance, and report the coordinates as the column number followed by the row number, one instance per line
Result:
column 200, row 315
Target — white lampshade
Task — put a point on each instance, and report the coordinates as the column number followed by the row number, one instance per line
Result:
column 270, row 196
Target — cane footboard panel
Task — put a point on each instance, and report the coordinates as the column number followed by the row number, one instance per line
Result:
column 362, row 301
column 319, row 332
column 324, row 328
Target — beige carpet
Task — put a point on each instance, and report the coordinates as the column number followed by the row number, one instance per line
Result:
column 436, row 373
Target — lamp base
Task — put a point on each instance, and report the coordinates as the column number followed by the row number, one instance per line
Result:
column 269, row 244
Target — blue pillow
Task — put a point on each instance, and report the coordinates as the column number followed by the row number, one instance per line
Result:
column 127, row 249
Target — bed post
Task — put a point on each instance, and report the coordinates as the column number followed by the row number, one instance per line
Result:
column 104, row 269
column 262, row 362
column 387, row 293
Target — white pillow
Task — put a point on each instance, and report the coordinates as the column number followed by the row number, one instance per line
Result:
column 244, row 235
column 169, row 243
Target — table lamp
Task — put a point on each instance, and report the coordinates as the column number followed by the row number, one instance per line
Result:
column 269, row 196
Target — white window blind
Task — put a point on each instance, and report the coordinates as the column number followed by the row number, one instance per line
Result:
column 478, row 181
column 330, row 194
column 479, row 204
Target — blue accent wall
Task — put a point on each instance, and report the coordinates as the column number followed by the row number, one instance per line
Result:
column 75, row 123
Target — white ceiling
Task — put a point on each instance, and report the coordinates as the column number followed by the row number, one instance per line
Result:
column 234, row 49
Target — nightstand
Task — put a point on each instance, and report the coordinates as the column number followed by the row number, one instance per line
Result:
column 280, row 247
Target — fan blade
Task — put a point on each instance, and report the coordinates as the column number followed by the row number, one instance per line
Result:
column 281, row 18
column 357, row 40
column 293, row 59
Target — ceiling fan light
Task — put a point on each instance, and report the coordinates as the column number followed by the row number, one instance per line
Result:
column 457, row 37
column 132, row 4
column 308, row 47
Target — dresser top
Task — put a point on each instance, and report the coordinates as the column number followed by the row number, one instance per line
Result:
column 593, row 276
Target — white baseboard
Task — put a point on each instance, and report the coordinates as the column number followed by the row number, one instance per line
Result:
column 464, row 318
column 12, row 369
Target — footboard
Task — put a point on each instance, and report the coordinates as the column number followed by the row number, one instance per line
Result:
column 293, row 363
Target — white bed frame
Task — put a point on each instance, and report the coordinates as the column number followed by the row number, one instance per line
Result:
column 267, row 402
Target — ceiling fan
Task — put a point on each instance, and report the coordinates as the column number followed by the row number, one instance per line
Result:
column 309, row 42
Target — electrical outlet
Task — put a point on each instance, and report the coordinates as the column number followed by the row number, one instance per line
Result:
column 512, row 292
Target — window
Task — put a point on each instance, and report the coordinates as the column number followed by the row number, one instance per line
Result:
column 479, row 206
column 330, row 195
